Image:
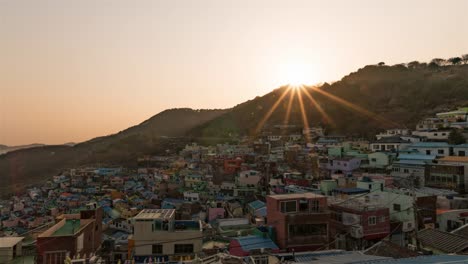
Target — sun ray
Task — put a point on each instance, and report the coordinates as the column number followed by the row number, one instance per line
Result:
column 356, row 108
column 272, row 109
column 303, row 112
column 322, row 112
column 292, row 93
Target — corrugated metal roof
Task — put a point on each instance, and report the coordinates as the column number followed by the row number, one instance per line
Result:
column 255, row 242
column 443, row 241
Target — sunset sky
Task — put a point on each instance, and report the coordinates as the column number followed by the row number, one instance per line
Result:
column 74, row 70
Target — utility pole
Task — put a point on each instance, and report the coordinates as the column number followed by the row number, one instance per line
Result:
column 415, row 212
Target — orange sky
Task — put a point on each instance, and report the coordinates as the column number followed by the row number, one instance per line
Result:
column 74, row 70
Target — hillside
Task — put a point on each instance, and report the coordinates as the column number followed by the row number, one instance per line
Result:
column 5, row 149
column 362, row 103
column 153, row 136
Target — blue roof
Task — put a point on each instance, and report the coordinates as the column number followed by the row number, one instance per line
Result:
column 351, row 190
column 257, row 204
column 416, row 157
column 430, row 145
column 461, row 146
column 410, row 162
column 248, row 243
column 433, row 259
column 261, row 212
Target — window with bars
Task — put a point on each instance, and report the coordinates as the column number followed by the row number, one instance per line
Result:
column 289, row 207
column 183, row 248
column 157, row 249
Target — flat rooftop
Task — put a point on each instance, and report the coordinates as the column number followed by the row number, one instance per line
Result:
column 7, row 242
column 70, row 227
column 67, row 227
column 164, row 214
column 295, row 196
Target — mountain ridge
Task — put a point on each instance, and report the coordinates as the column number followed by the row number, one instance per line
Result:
column 361, row 103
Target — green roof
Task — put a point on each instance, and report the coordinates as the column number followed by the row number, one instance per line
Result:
column 69, row 228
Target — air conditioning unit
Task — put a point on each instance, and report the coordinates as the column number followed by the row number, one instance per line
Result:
column 407, row 226
column 357, row 231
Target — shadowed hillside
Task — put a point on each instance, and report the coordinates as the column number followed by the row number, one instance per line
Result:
column 154, row 136
column 371, row 99
column 366, row 101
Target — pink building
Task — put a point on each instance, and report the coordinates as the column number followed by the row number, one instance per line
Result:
column 215, row 213
column 301, row 220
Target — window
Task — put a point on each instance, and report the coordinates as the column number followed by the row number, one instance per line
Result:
column 289, row 207
column 372, row 220
column 443, row 134
column 397, row 207
column 307, row 230
column 315, row 206
column 157, row 249
column 406, row 170
column 428, row 152
column 374, row 160
column 440, row 151
column 435, row 134
column 382, row 219
column 303, row 205
column 183, row 248
column 461, row 153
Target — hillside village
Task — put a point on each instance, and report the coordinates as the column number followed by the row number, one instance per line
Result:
column 290, row 194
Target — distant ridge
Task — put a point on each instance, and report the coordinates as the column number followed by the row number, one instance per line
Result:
column 361, row 103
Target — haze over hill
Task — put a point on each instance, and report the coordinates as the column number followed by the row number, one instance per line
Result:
column 371, row 99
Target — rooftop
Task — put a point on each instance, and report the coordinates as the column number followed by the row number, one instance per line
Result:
column 454, row 159
column 255, row 242
column 430, row 145
column 165, row 214
column 6, row 242
column 443, row 241
column 396, row 139
column 295, row 196
column 70, row 227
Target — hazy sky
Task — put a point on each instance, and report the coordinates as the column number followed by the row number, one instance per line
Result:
column 73, row 70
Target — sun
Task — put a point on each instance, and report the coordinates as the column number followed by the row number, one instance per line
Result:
column 297, row 74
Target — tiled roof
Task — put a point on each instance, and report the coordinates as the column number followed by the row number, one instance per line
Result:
column 454, row 159
column 443, row 241
column 388, row 249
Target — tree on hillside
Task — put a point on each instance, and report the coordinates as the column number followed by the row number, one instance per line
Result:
column 381, row 63
column 456, row 138
column 465, row 58
column 438, row 61
column 413, row 64
column 455, row 60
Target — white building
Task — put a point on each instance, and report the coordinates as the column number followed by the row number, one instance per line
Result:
column 10, row 248
column 394, row 132
column 158, row 235
column 439, row 135
column 191, row 196
column 439, row 149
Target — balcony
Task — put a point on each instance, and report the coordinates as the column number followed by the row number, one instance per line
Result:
column 307, row 240
column 308, row 217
